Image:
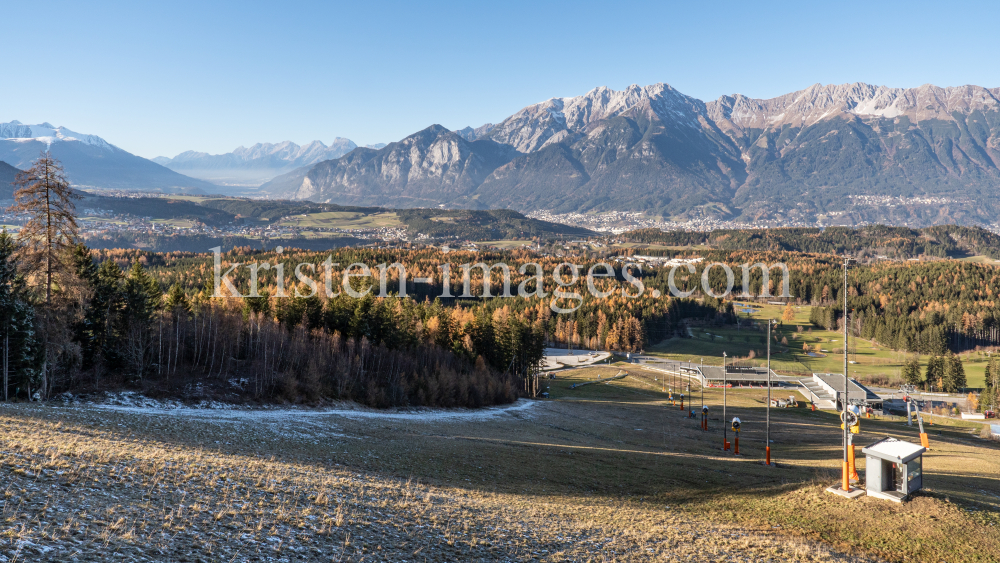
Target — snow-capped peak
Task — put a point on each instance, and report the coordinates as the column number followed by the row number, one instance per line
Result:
column 47, row 133
column 531, row 128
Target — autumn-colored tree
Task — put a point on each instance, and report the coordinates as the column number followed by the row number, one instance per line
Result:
column 788, row 315
column 972, row 400
column 47, row 240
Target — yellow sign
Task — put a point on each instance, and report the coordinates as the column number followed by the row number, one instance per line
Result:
column 855, row 429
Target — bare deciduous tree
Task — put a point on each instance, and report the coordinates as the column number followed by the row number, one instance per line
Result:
column 51, row 231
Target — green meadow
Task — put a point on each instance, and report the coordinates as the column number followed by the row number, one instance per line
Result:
column 808, row 350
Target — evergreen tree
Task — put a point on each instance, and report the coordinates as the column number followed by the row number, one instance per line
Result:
column 911, row 371
column 987, row 397
column 993, row 382
column 141, row 298
column 177, row 300
column 954, row 377
column 17, row 324
column 934, row 372
column 100, row 331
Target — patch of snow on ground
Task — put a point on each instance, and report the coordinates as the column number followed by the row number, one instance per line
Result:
column 139, row 404
column 430, row 415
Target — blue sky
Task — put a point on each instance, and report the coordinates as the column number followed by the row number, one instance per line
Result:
column 158, row 79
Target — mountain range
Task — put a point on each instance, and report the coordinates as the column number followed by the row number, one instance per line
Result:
column 842, row 153
column 90, row 161
column 257, row 164
column 828, row 154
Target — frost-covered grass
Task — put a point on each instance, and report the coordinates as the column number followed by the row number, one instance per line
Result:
column 600, row 473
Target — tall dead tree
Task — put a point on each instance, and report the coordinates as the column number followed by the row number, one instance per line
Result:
column 47, row 237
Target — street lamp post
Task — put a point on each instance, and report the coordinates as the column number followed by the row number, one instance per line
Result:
column 703, row 384
column 846, row 477
column 725, row 381
column 767, row 433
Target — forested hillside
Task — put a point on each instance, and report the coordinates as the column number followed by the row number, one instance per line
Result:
column 863, row 242
column 482, row 225
column 927, row 307
column 180, row 242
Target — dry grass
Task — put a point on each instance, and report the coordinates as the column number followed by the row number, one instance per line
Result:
column 600, row 473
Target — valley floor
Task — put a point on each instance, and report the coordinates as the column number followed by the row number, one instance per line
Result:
column 607, row 472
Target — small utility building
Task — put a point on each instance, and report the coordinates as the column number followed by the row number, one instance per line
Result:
column 893, row 469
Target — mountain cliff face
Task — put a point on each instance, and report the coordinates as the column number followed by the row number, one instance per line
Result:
column 424, row 169
column 90, row 161
column 257, row 164
column 856, row 152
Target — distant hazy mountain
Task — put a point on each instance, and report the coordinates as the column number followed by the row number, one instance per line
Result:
column 7, row 175
column 840, row 153
column 90, row 161
column 257, row 164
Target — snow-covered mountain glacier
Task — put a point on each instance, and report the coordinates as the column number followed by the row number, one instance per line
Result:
column 90, row 161
column 257, row 164
column 859, row 152
column 46, row 133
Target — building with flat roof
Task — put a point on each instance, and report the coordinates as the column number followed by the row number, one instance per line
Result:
column 827, row 389
column 823, row 389
column 894, row 469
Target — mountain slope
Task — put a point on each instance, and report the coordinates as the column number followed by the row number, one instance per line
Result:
column 424, row 169
column 89, row 161
column 831, row 148
column 645, row 148
column 257, row 164
column 7, row 175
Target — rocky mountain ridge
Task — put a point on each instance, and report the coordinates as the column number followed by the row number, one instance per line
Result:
column 422, row 170
column 825, row 153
